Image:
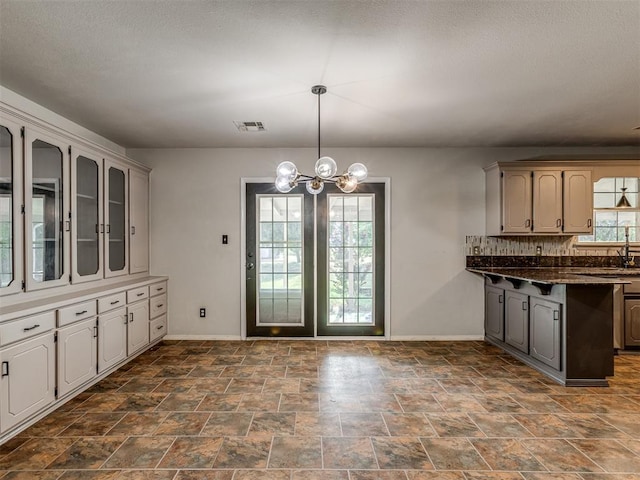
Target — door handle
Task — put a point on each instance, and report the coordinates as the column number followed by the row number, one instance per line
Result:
column 524, row 305
column 556, row 315
column 5, row 369
column 499, row 298
column 250, row 266
column 95, row 332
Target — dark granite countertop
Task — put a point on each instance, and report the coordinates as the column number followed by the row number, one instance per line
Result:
column 562, row 275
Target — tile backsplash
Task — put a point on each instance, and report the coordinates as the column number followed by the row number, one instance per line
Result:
column 549, row 246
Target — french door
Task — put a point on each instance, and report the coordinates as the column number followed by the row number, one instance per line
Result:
column 315, row 263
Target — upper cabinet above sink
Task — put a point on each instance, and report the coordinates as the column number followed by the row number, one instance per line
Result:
column 538, row 200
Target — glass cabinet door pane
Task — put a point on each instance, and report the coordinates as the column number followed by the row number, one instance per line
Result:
column 117, row 219
column 47, row 212
column 87, row 210
column 6, row 208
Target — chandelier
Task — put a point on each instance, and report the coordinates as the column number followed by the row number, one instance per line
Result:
column 326, row 169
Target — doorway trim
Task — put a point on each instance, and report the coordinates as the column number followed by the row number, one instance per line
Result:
column 387, row 259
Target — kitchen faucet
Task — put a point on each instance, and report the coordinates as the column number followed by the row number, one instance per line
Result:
column 625, row 253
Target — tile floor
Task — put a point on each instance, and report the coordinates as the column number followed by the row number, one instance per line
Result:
column 310, row 410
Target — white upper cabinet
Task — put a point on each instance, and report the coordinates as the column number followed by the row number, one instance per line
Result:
column 116, row 218
column 547, row 201
column 11, row 225
column 139, row 221
column 516, row 202
column 87, row 225
column 47, row 212
column 578, row 202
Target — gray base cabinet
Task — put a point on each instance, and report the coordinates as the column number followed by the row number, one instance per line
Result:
column 545, row 330
column 632, row 322
column 564, row 331
column 494, row 312
column 516, row 320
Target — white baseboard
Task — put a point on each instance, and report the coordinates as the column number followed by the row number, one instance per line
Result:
column 396, row 338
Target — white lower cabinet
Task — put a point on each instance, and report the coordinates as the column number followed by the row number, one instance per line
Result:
column 77, row 355
column 28, row 379
column 112, row 338
column 138, row 326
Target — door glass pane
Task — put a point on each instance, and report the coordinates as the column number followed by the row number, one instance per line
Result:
column 47, row 212
column 6, row 207
column 350, row 259
column 280, row 221
column 87, row 245
column 116, row 219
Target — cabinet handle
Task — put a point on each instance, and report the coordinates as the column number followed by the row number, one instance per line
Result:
column 115, row 302
column 131, row 317
column 159, row 327
column 559, row 223
column 95, row 331
column 500, row 299
column 81, row 313
column 126, row 319
column 102, row 228
column 556, row 315
column 5, row 369
column 30, row 328
column 159, row 289
column 133, row 230
column 160, row 306
column 140, row 294
column 67, row 226
column 97, row 228
column 527, row 223
column 589, row 223
column 524, row 305
column 107, row 228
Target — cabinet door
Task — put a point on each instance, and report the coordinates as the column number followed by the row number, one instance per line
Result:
column 139, row 221
column 516, row 320
column 578, row 202
column 10, row 201
column 77, row 355
column 87, row 225
column 138, row 327
column 494, row 312
column 632, row 322
column 547, row 202
column 516, row 202
column 545, row 324
column 112, row 338
column 47, row 212
column 28, row 379
column 116, row 218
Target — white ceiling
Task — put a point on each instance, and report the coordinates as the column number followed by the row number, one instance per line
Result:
column 399, row 73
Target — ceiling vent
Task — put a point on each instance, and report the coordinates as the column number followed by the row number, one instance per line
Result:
column 250, row 126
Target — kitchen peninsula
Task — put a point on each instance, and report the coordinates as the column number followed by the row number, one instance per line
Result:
column 558, row 320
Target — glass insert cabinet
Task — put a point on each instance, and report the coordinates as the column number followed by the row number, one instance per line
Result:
column 65, row 211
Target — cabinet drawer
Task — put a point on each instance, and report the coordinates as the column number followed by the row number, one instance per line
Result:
column 634, row 286
column 158, row 305
column 137, row 294
column 112, row 301
column 157, row 328
column 76, row 312
column 27, row 327
column 158, row 289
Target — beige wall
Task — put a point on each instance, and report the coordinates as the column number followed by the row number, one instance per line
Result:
column 437, row 198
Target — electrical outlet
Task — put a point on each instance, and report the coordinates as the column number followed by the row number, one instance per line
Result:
column 476, row 250
column 203, row 312
column 538, row 250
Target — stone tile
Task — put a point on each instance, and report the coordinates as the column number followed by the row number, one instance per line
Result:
column 499, row 425
column 418, row 402
column 609, row 454
column 460, row 402
column 271, row 474
column 282, row 385
column 560, row 455
column 348, row 453
column 216, row 402
column 180, row 402
column 92, row 424
column 506, row 454
column 434, row 475
column 377, row 475
column 146, row 475
column 546, row 425
column 317, row 424
column 401, row 453
column 138, row 423
column 299, row 402
column 591, row 426
column 140, row 384
column 363, row 424
column 182, row 423
column 259, row 402
column 32, row 475
column 192, row 452
column 243, row 452
column 37, row 453
column 454, row 425
column 453, row 454
column 320, row 475
column 140, row 452
column 245, row 385
column 230, row 424
column 86, row 453
column 209, row 475
column 267, row 423
column 408, row 424
column 140, row 402
column 296, row 452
